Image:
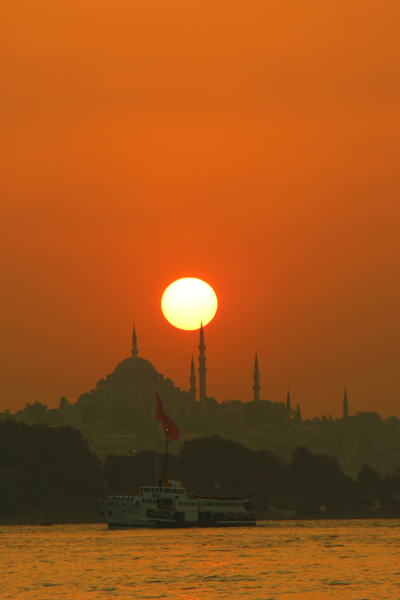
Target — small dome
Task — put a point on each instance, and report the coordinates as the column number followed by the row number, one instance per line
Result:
column 134, row 370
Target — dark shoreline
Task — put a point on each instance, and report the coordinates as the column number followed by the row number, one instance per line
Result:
column 49, row 518
column 87, row 517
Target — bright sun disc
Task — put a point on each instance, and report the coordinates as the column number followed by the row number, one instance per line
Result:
column 188, row 302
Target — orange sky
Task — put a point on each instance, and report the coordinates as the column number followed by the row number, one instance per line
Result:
column 252, row 144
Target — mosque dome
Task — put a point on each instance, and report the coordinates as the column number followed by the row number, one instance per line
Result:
column 134, row 370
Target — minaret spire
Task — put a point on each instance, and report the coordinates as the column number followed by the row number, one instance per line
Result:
column 202, row 367
column 134, row 350
column 256, row 377
column 193, row 380
column 288, row 407
column 345, row 405
column 298, row 419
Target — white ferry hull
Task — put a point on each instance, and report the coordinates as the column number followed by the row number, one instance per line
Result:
column 119, row 515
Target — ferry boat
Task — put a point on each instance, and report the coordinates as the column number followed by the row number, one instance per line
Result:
column 169, row 505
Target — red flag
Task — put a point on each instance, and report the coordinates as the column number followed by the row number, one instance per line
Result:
column 168, row 424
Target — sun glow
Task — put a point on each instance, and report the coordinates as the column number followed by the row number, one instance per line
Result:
column 188, row 302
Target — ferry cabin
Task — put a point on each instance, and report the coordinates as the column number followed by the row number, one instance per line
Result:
column 175, row 497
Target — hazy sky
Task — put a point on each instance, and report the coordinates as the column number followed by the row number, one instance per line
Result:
column 252, row 144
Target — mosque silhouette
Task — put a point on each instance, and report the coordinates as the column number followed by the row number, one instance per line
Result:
column 135, row 381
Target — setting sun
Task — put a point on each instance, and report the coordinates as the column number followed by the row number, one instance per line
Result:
column 188, row 302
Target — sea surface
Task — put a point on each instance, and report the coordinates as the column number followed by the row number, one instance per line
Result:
column 357, row 560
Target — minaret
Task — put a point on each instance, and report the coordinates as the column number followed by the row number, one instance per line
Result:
column 202, row 367
column 345, row 405
column 288, row 407
column 134, row 350
column 193, row 381
column 297, row 417
column 256, row 377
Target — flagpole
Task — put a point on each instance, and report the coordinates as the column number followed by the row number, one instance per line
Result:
column 169, row 427
column 166, row 457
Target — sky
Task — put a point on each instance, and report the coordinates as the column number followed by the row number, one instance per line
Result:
column 253, row 144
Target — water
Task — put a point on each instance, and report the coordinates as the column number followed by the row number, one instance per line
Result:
column 357, row 560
